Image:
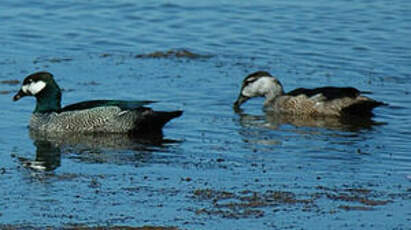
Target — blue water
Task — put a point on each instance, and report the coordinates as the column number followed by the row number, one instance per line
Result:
column 91, row 48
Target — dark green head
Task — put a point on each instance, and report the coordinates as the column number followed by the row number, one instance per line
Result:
column 42, row 86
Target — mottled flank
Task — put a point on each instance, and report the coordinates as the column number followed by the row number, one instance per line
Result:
column 325, row 101
column 319, row 105
column 100, row 119
column 110, row 119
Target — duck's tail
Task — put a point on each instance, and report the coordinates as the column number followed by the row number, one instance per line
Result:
column 160, row 118
column 362, row 107
column 151, row 123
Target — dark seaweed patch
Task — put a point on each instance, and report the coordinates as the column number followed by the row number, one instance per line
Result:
column 355, row 208
column 173, row 54
column 252, row 204
column 246, row 203
column 51, row 60
column 5, row 92
column 81, row 227
column 10, row 82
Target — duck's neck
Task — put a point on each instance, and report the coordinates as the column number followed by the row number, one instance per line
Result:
column 48, row 100
column 272, row 94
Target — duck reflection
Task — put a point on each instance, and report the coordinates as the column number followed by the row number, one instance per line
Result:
column 95, row 148
column 48, row 157
column 274, row 120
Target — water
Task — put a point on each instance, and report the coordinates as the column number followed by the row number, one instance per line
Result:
column 222, row 170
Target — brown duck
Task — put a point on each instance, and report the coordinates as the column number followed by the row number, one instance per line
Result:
column 324, row 101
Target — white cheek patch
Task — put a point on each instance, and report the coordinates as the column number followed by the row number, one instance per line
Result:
column 34, row 87
column 258, row 87
column 248, row 91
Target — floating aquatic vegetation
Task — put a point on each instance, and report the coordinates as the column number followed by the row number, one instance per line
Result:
column 173, row 54
column 10, row 82
column 51, row 60
column 254, row 204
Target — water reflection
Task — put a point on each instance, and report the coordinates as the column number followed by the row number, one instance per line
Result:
column 93, row 148
column 274, row 120
column 48, row 157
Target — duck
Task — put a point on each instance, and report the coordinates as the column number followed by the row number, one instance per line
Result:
column 323, row 101
column 95, row 116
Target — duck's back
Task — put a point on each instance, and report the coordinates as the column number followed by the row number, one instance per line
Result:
column 319, row 105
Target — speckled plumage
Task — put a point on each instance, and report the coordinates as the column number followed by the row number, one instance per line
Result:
column 100, row 119
column 100, row 116
column 316, row 105
column 325, row 101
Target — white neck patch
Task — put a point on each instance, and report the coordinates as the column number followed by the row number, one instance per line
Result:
column 34, row 87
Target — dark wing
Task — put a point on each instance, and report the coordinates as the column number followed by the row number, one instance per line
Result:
column 124, row 105
column 330, row 93
column 362, row 108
